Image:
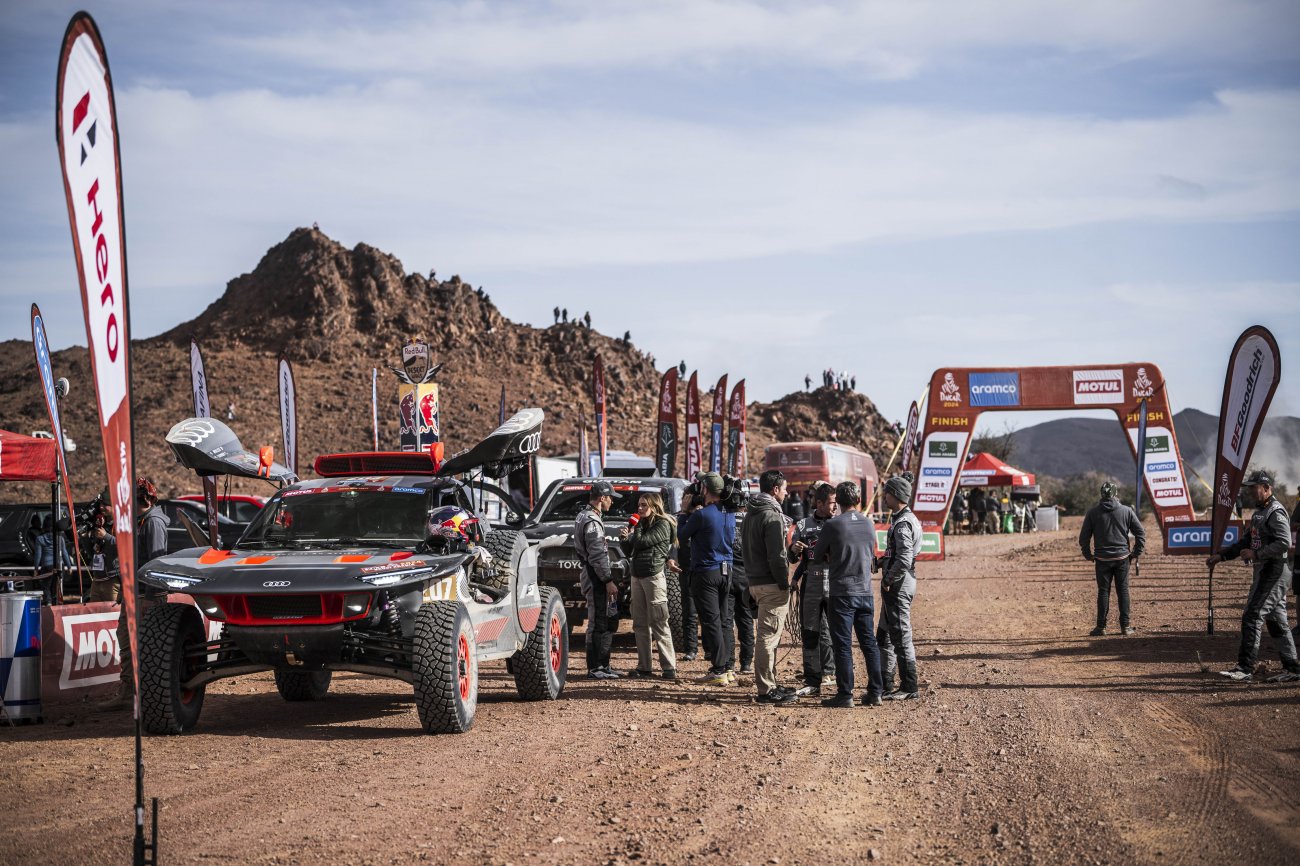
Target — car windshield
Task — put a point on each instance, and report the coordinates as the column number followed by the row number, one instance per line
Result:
column 565, row 504
column 326, row 516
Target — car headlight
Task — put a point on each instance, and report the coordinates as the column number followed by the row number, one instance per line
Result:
column 387, row 578
column 175, row 581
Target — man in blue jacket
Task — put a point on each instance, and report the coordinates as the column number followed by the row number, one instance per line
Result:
column 1104, row 541
column 710, row 533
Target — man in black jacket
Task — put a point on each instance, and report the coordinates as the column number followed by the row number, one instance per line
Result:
column 763, row 537
column 1266, row 546
column 812, row 587
column 1104, row 542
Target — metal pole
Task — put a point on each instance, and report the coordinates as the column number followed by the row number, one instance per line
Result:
column 1209, row 613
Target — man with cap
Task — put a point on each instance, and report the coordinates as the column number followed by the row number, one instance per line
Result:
column 1104, row 542
column 1266, row 546
column 847, row 546
column 597, row 577
column 897, row 590
column 812, row 586
column 768, row 571
column 710, row 533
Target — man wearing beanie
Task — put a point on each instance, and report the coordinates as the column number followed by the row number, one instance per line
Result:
column 1104, row 541
column 710, row 533
column 897, row 589
column 763, row 535
column 847, row 544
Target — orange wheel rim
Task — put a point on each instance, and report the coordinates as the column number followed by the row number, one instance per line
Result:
column 557, row 650
column 462, row 666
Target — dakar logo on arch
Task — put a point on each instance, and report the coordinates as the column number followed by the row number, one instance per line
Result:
column 949, row 393
column 1143, row 387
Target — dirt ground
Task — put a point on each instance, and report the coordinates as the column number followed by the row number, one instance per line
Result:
column 1033, row 743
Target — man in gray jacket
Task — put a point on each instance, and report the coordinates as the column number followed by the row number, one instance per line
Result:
column 1264, row 545
column 897, row 590
column 1104, row 541
column 598, row 584
column 763, row 544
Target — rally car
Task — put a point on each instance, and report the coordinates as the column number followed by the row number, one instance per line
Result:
column 551, row 523
column 380, row 567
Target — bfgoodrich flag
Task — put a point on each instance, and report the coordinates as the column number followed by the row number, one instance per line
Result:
column 694, row 452
column 288, row 414
column 666, row 441
column 1254, row 370
column 203, row 409
column 86, row 131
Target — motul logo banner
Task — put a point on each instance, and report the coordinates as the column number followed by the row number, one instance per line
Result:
column 1098, row 386
column 1254, row 371
column 86, row 131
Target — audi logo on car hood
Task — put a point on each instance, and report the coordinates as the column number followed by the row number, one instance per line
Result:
column 276, row 583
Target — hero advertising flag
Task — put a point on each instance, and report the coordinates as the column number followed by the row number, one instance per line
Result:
column 909, row 436
column 86, row 131
column 203, row 409
column 1254, row 370
column 598, row 386
column 719, row 414
column 666, row 441
column 288, row 414
column 736, row 432
column 45, row 367
column 694, row 450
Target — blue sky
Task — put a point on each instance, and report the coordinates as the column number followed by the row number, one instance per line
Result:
column 763, row 189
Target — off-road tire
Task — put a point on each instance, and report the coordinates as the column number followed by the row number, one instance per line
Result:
column 542, row 666
column 674, row 583
column 506, row 546
column 303, row 685
column 445, row 667
column 167, row 632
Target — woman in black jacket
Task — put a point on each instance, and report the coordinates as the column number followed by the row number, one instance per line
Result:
column 649, row 543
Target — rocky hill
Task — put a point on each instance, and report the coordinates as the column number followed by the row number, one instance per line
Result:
column 338, row 313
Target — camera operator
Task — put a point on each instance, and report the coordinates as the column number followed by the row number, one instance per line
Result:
column 101, row 547
column 742, row 606
column 710, row 533
column 691, row 503
column 769, row 575
column 812, row 587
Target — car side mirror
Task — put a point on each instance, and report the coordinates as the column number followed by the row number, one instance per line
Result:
column 514, row 518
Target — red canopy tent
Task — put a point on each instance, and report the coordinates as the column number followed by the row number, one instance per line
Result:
column 985, row 470
column 27, row 458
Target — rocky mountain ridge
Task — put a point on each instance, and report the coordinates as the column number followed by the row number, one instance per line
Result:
column 340, row 312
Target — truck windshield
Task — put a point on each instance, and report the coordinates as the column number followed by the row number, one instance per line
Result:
column 565, row 505
column 351, row 515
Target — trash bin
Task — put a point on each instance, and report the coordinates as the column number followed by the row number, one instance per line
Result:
column 20, row 656
column 1047, row 518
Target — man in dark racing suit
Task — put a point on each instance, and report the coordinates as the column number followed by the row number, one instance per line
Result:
column 1266, row 545
column 811, row 588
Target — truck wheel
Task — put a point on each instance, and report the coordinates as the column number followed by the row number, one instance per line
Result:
column 445, row 667
column 506, row 546
column 542, row 666
column 303, row 685
column 675, row 609
column 169, row 635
